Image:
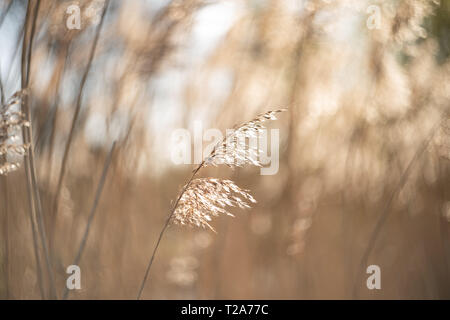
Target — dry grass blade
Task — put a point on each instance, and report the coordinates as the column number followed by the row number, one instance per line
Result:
column 75, row 120
column 385, row 214
column 34, row 199
column 98, row 193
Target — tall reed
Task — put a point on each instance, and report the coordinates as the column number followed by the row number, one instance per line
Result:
column 200, row 199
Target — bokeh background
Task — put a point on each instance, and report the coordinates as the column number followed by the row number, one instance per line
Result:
column 364, row 146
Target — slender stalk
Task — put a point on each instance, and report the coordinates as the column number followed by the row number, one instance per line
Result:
column 92, row 212
column 74, row 122
column 383, row 217
column 166, row 224
column 32, row 187
column 443, row 226
column 6, row 224
column 36, row 247
column 5, row 12
column 3, row 184
column 2, row 91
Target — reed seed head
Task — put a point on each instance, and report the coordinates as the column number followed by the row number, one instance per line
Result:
column 205, row 198
column 11, row 123
column 208, row 197
column 234, row 150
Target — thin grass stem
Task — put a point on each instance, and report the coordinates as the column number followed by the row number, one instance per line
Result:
column 98, row 193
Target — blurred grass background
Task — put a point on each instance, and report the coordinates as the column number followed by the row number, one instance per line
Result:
column 364, row 106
